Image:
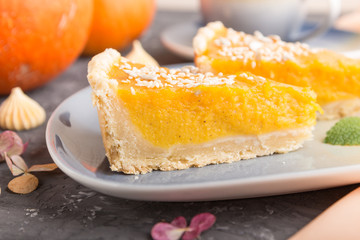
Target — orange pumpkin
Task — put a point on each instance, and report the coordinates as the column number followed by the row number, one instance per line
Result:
column 116, row 23
column 39, row 39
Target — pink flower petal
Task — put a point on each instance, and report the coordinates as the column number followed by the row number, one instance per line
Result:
column 43, row 167
column 198, row 224
column 13, row 168
column 11, row 143
column 166, row 231
column 179, row 222
column 6, row 142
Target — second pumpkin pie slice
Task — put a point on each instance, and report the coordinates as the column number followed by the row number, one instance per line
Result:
column 334, row 77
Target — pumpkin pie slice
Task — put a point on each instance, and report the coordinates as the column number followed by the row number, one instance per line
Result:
column 334, row 77
column 154, row 118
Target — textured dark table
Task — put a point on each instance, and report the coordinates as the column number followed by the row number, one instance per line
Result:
column 62, row 209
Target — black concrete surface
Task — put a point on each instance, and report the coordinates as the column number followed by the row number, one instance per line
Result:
column 62, row 209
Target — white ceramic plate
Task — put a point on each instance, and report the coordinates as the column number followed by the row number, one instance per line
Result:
column 178, row 39
column 74, row 142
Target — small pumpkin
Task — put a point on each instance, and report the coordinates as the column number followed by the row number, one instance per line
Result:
column 39, row 39
column 117, row 23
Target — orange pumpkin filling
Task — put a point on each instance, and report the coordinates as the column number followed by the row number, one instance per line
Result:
column 171, row 107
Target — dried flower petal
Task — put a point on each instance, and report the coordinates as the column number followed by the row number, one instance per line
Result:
column 166, row 231
column 179, row 222
column 42, row 167
column 19, row 162
column 198, row 224
column 11, row 144
column 174, row 230
column 23, row 184
column 15, row 170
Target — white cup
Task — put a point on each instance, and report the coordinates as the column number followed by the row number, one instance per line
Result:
column 284, row 18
